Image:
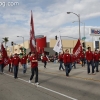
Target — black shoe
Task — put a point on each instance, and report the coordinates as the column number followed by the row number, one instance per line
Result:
column 15, row 77
column 97, row 71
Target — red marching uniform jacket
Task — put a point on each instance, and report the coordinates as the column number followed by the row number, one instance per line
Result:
column 82, row 56
column 15, row 61
column 33, row 64
column 1, row 61
column 24, row 60
column 89, row 55
column 10, row 61
column 67, row 58
column 44, row 58
column 73, row 58
column 60, row 57
column 96, row 57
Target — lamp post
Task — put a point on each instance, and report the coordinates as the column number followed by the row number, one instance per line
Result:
column 23, row 39
column 84, row 28
column 78, row 21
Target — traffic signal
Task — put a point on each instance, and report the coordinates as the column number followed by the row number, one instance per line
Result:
column 12, row 43
column 83, row 44
column 56, row 37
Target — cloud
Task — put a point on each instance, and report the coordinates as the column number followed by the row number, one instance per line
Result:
column 49, row 18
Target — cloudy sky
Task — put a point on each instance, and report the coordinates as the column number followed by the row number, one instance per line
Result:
column 50, row 18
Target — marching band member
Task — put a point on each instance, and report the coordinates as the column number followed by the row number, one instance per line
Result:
column 60, row 58
column 96, row 60
column 34, row 67
column 89, row 58
column 67, row 61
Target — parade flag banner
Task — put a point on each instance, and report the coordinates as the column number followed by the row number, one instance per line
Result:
column 4, row 55
column 58, row 46
column 43, row 50
column 77, row 51
column 32, row 35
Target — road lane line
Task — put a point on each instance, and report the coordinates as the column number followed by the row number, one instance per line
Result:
column 44, row 88
column 57, row 92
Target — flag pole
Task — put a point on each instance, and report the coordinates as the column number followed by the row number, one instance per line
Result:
column 61, row 42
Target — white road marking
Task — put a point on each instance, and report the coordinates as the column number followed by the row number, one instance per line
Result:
column 44, row 88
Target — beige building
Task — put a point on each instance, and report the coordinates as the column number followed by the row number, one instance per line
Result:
column 67, row 44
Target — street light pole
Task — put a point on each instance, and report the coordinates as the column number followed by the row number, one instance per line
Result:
column 79, row 21
column 23, row 40
column 84, row 27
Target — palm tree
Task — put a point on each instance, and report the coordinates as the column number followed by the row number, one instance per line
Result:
column 5, row 40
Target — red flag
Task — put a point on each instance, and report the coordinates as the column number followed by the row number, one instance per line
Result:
column 43, row 50
column 32, row 35
column 39, row 50
column 4, row 55
column 77, row 51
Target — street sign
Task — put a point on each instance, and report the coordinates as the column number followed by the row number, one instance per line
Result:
column 83, row 38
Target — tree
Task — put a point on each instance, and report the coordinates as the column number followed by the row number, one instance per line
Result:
column 5, row 40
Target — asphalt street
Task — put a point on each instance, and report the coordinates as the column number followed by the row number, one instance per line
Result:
column 54, row 85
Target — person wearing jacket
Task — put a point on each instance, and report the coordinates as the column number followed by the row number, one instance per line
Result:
column 24, row 62
column 89, row 58
column 67, row 61
column 10, row 64
column 34, row 67
column 73, row 61
column 15, row 62
column 60, row 58
column 82, row 58
column 1, row 63
column 96, row 60
column 44, row 60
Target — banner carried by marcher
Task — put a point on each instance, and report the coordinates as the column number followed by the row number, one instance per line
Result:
column 4, row 55
column 32, row 35
column 58, row 46
column 77, row 51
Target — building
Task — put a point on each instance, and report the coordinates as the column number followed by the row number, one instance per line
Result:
column 47, row 46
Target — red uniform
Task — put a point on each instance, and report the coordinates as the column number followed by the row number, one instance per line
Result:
column 67, row 58
column 73, row 58
column 44, row 58
column 82, row 56
column 96, row 57
column 1, row 61
column 89, row 55
column 60, row 57
column 33, row 64
column 10, row 61
column 15, row 61
column 24, row 60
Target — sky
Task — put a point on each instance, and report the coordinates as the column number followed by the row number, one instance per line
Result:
column 50, row 18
